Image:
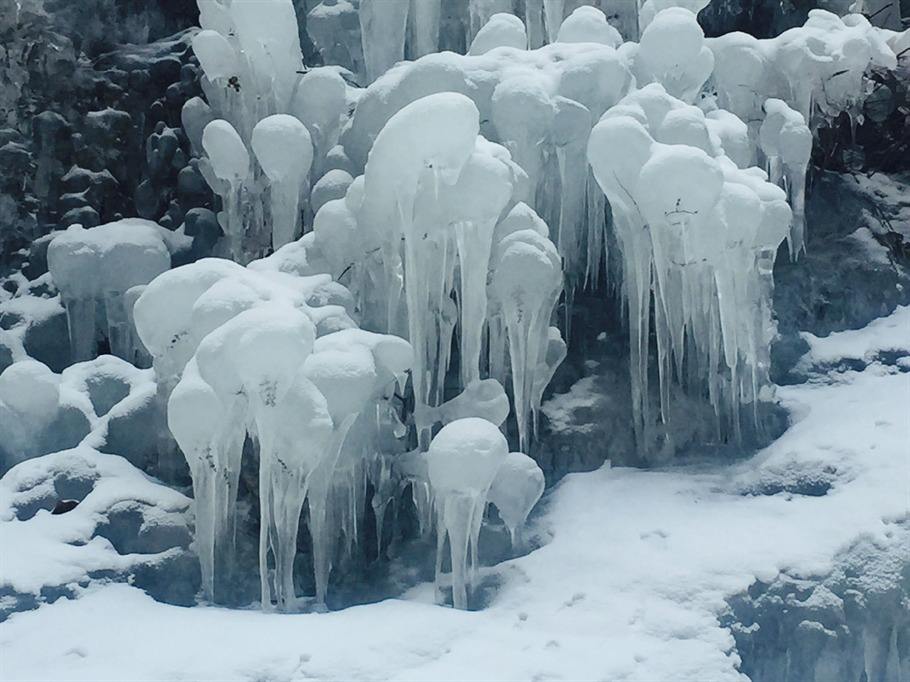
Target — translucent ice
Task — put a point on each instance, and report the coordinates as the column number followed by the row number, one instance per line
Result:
column 284, row 151
column 518, row 485
column 463, row 460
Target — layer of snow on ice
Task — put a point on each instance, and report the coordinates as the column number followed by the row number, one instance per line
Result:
column 890, row 333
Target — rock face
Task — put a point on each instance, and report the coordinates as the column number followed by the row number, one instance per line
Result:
column 91, row 141
column 852, row 624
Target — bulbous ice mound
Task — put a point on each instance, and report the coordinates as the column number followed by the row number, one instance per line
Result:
column 96, row 267
column 30, row 389
column 283, row 148
column 216, row 55
column 673, row 53
column 194, row 413
column 501, row 30
column 226, row 151
column 588, row 25
column 462, row 462
column 518, row 486
column 678, row 184
column 617, row 150
column 392, row 355
column 520, row 217
column 330, row 187
column 319, row 101
column 347, row 378
column 465, row 455
column 110, row 257
column 435, row 134
column 651, row 8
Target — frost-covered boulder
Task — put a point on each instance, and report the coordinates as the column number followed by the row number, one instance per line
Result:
column 79, row 515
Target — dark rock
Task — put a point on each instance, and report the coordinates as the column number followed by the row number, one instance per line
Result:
column 85, row 216
column 47, row 341
column 64, row 506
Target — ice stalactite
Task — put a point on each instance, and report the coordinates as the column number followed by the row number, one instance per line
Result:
column 551, row 358
column 438, row 135
column 230, row 164
column 423, row 27
column 786, row 143
column 251, row 57
column 483, row 190
column 818, row 71
column 94, row 268
column 463, row 460
column 319, row 101
column 383, row 28
column 515, row 490
column 687, row 221
column 284, row 151
column 251, row 332
column 347, row 378
column 554, row 14
column 527, row 282
column 194, row 414
column 361, row 372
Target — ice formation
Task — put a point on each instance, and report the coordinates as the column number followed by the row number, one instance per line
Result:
column 258, row 93
column 463, row 461
column 691, row 227
column 93, row 270
column 502, row 30
column 515, row 490
column 810, row 75
column 284, row 151
column 29, row 403
column 308, row 403
column 404, row 257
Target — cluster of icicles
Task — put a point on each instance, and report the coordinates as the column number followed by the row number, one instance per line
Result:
column 276, row 358
column 432, row 203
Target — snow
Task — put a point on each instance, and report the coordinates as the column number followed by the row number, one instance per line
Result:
column 884, row 334
column 502, row 30
column 654, row 555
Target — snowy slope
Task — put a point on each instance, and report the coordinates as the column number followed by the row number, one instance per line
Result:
column 629, row 586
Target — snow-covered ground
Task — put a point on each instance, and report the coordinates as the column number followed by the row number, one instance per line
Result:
column 629, row 585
